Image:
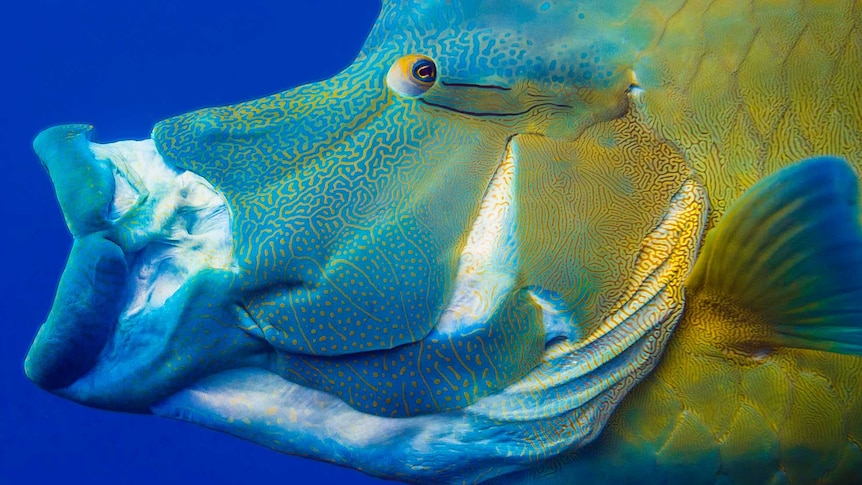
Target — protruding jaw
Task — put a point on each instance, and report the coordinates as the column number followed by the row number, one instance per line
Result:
column 151, row 246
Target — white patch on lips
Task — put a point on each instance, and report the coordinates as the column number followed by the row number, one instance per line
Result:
column 170, row 223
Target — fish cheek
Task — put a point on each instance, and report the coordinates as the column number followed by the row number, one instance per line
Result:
column 357, row 251
column 586, row 206
column 335, row 256
column 377, row 286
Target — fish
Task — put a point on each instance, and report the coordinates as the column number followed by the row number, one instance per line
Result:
column 512, row 242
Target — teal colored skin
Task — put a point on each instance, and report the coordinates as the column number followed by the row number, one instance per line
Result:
column 328, row 163
column 333, row 316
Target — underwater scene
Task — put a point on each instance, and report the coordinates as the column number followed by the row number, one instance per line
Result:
column 123, row 66
column 433, row 241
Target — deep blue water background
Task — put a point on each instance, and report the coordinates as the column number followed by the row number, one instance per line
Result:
column 122, row 66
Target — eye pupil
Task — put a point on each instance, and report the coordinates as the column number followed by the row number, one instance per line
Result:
column 424, row 71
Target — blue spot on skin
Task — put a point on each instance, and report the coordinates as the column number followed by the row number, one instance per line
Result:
column 488, row 48
column 581, row 16
column 545, row 6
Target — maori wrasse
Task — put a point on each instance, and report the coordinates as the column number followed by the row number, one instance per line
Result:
column 564, row 242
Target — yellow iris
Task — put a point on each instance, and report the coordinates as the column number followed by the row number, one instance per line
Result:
column 412, row 75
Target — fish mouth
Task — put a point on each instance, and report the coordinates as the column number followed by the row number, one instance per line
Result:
column 142, row 229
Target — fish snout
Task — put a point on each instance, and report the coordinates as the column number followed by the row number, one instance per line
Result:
column 146, row 236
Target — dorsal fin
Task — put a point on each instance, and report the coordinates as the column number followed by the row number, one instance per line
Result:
column 790, row 251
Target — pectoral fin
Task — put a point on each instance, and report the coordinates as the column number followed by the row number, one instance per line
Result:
column 788, row 253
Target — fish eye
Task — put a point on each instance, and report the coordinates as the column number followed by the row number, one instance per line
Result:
column 412, row 75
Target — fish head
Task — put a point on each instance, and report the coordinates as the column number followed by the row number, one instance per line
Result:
column 359, row 192
column 476, row 186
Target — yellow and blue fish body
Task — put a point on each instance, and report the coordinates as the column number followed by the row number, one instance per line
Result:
column 543, row 242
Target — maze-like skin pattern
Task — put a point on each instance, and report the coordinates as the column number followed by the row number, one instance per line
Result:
column 740, row 88
column 351, row 204
column 743, row 89
column 711, row 414
column 766, row 84
column 561, row 404
column 351, row 216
